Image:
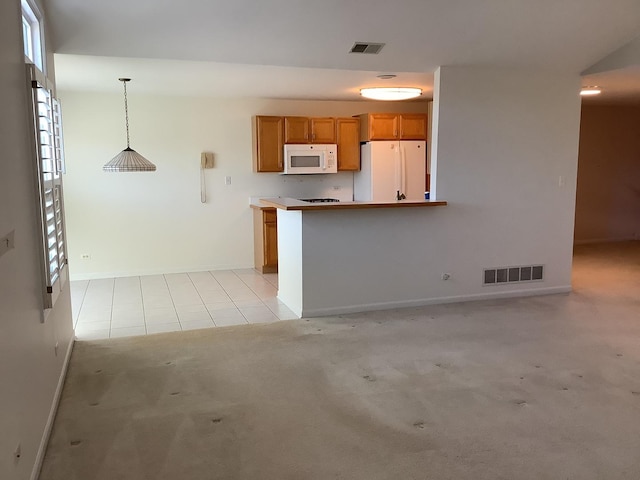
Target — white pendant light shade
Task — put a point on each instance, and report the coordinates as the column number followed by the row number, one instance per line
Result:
column 128, row 160
column 390, row 93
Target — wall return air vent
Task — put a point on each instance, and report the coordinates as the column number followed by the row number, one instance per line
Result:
column 500, row 275
column 366, row 47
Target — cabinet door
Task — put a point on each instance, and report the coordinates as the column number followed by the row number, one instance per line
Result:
column 265, row 240
column 323, row 130
column 296, row 130
column 413, row 126
column 270, row 247
column 383, row 126
column 348, row 136
column 269, row 147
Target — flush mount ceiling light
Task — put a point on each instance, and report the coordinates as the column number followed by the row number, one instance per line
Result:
column 594, row 90
column 128, row 160
column 390, row 93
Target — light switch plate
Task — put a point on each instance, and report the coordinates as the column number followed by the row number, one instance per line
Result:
column 7, row 242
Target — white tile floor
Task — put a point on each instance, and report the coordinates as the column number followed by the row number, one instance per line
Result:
column 120, row 307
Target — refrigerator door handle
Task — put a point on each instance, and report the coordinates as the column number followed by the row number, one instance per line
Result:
column 398, row 169
column 403, row 171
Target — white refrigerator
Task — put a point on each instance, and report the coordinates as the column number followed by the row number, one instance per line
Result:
column 391, row 170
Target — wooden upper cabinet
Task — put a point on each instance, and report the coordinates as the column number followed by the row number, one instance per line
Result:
column 272, row 133
column 269, row 144
column 382, row 126
column 323, row 130
column 309, row 130
column 393, row 126
column 296, row 130
column 348, row 140
column 413, row 126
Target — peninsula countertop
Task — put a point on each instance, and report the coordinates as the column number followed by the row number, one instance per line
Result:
column 286, row 203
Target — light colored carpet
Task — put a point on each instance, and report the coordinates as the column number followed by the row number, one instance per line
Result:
column 536, row 388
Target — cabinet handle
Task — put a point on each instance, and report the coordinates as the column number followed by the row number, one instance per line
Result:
column 313, row 136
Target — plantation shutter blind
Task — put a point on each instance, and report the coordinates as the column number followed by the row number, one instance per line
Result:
column 49, row 153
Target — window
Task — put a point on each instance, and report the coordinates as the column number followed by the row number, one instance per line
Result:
column 49, row 155
column 31, row 34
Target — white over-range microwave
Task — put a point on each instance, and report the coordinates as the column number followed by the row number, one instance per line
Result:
column 307, row 159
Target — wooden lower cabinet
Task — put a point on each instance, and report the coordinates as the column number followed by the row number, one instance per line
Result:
column 265, row 240
column 270, row 247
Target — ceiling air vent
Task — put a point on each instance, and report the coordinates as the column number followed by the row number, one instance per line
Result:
column 362, row 47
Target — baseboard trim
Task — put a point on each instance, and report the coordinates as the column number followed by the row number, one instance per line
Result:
column 605, row 240
column 35, row 473
column 155, row 271
column 320, row 312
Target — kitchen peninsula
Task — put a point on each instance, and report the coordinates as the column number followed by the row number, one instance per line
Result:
column 337, row 257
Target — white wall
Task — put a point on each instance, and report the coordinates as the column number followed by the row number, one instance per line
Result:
column 504, row 141
column 144, row 223
column 608, row 196
column 30, row 370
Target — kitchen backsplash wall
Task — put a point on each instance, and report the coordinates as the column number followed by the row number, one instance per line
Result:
column 147, row 223
column 338, row 185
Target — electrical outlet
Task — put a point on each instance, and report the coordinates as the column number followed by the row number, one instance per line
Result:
column 446, row 276
column 227, row 180
column 85, row 256
column 337, row 187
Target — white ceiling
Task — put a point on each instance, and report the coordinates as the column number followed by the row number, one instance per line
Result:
column 299, row 48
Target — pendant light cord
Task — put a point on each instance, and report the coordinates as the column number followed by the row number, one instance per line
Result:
column 128, row 160
column 126, row 107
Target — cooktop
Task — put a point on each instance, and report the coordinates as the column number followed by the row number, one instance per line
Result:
column 319, row 200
